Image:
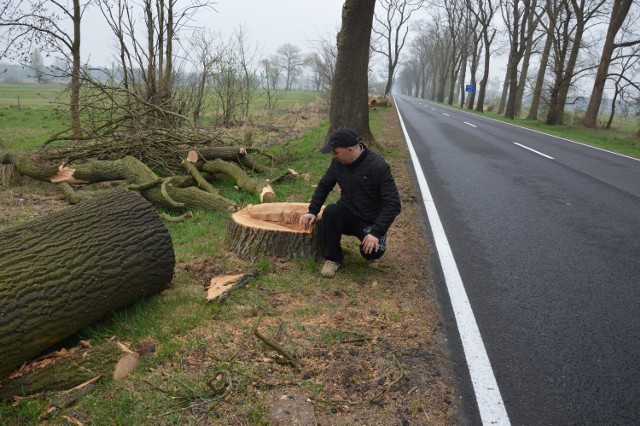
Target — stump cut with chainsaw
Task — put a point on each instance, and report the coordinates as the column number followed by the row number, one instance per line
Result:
column 273, row 230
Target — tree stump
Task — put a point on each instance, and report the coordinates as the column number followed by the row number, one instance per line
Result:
column 63, row 271
column 273, row 230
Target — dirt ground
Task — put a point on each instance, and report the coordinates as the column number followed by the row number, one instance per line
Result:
column 384, row 364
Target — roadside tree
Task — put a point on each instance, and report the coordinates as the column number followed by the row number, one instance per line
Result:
column 349, row 89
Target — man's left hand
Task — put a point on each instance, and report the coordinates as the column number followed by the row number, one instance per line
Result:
column 370, row 244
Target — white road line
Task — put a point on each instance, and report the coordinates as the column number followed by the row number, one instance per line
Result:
column 444, row 113
column 469, row 124
column 490, row 403
column 551, row 136
column 433, row 109
column 533, row 150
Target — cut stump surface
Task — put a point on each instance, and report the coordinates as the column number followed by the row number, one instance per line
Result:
column 273, row 230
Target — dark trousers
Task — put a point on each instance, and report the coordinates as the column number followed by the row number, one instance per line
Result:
column 338, row 221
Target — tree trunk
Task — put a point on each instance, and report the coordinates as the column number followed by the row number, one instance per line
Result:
column 74, row 104
column 350, row 87
column 544, row 61
column 64, row 271
column 273, row 230
column 618, row 15
column 129, row 169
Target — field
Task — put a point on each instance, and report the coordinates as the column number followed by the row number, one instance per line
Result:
column 369, row 341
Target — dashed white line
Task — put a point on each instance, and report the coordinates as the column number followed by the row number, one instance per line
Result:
column 490, row 403
column 433, row 109
column 533, row 150
column 444, row 113
column 469, row 124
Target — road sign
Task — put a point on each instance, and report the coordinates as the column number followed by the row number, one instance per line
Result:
column 470, row 88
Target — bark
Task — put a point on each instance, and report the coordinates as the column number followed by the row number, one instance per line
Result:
column 243, row 181
column 273, row 230
column 66, row 270
column 350, row 88
column 618, row 15
column 74, row 104
column 59, row 373
column 240, row 155
column 129, row 169
column 544, row 61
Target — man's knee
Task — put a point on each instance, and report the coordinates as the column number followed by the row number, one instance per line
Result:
column 331, row 211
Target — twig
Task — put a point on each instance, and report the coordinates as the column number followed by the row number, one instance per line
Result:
column 165, row 194
column 195, row 173
column 274, row 345
column 176, row 219
column 385, row 389
column 143, row 186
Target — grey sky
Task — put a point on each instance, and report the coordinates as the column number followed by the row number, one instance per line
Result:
column 270, row 23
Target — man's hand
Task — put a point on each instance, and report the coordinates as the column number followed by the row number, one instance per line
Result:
column 306, row 220
column 370, row 244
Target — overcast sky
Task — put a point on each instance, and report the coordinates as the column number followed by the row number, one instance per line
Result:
column 270, row 23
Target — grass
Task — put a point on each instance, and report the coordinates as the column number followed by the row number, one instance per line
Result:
column 334, row 325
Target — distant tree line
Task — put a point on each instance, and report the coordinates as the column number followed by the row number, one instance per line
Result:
column 553, row 48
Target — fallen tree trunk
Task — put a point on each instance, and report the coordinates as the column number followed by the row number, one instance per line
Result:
column 128, row 169
column 239, row 155
column 63, row 271
column 273, row 230
column 260, row 188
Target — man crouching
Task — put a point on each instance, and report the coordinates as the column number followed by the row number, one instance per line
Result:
column 368, row 204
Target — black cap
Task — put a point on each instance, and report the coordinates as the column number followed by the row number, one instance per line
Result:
column 342, row 137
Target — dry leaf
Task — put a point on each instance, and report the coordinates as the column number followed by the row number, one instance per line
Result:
column 221, row 284
column 126, row 364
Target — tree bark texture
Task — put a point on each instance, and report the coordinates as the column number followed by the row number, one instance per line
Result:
column 129, row 169
column 619, row 13
column 272, row 230
column 350, row 87
column 62, row 372
column 63, row 271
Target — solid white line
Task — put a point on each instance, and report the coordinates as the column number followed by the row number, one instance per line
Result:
column 444, row 113
column 533, row 150
column 490, row 403
column 469, row 124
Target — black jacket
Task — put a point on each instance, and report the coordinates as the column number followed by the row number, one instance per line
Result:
column 367, row 190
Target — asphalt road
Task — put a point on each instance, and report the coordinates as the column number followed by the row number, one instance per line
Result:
column 546, row 237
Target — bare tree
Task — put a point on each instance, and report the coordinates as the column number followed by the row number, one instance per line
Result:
column 516, row 16
column 203, row 60
column 568, row 43
column 475, row 49
column 626, row 79
column 42, row 23
column 484, row 13
column 246, row 55
column 390, row 31
column 36, row 64
column 270, row 74
column 291, row 62
column 146, row 53
column 550, row 11
column 349, row 90
column 619, row 13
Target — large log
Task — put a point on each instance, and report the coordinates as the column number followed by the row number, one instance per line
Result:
column 63, row 271
column 273, row 230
